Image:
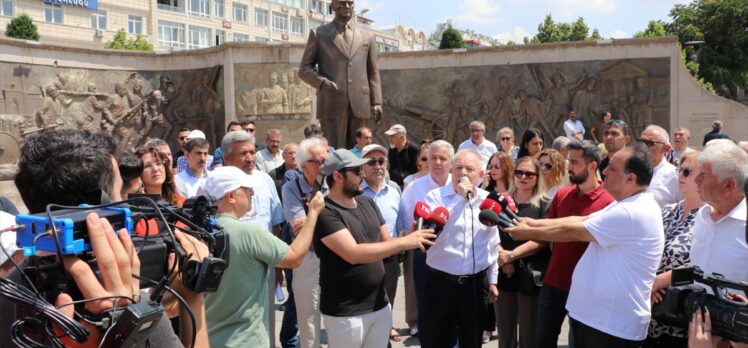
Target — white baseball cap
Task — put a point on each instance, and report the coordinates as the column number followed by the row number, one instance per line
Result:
column 196, row 134
column 395, row 129
column 223, row 180
column 373, row 147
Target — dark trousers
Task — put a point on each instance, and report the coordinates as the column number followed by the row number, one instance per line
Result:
column 420, row 273
column 289, row 332
column 666, row 341
column 391, row 274
column 551, row 314
column 454, row 303
column 587, row 337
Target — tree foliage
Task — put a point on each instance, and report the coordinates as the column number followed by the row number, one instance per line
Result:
column 22, row 27
column 451, row 38
column 121, row 42
column 550, row 31
column 654, row 29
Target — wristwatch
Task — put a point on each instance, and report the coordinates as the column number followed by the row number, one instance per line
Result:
column 511, row 255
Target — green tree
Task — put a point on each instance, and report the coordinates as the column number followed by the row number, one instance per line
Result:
column 654, row 29
column 121, row 42
column 22, row 27
column 550, row 31
column 451, row 38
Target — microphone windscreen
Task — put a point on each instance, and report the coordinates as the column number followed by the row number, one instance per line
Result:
column 510, row 204
column 439, row 217
column 490, row 204
column 488, row 217
column 422, row 210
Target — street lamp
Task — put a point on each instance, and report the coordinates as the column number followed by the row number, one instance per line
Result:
column 696, row 45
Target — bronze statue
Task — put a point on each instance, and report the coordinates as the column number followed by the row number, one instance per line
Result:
column 50, row 109
column 340, row 60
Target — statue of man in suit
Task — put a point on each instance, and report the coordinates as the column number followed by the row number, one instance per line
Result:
column 340, row 61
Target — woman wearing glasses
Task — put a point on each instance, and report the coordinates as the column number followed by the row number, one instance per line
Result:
column 553, row 170
column 422, row 165
column 678, row 219
column 523, row 263
column 505, row 139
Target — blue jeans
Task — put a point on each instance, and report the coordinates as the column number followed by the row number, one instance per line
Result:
column 289, row 331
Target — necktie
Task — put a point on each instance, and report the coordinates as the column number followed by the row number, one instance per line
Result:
column 347, row 34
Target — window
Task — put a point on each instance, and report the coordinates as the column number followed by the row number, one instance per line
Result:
column 261, row 17
column 297, row 25
column 170, row 34
column 170, row 5
column 280, row 22
column 6, row 8
column 200, row 8
column 218, row 10
column 98, row 20
column 52, row 13
column 241, row 37
column 199, row 37
column 261, row 39
column 240, row 12
column 220, row 37
column 135, row 25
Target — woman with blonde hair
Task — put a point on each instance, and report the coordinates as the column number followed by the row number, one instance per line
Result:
column 505, row 139
column 552, row 170
column 523, row 263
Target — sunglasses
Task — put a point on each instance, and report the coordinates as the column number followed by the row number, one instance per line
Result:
column 380, row 160
column 650, row 143
column 524, row 174
column 506, row 138
column 424, row 159
column 355, row 170
column 686, row 172
column 546, row 166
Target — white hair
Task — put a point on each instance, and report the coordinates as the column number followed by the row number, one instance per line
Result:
column 441, row 144
column 478, row 123
column 662, row 134
column 305, row 146
column 728, row 161
column 237, row 136
column 560, row 143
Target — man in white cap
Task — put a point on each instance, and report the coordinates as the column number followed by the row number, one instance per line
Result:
column 237, row 312
column 403, row 155
column 182, row 162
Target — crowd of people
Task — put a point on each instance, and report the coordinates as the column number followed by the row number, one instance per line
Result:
column 600, row 220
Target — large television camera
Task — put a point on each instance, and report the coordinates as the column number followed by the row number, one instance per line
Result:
column 683, row 297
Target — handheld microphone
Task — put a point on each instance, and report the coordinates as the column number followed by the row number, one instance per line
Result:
column 421, row 214
column 469, row 194
column 493, row 206
column 505, row 206
column 437, row 220
column 490, row 218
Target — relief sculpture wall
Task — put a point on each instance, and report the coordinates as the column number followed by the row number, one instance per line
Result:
column 440, row 102
column 271, row 89
column 133, row 106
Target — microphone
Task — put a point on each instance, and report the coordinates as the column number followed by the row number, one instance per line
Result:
column 490, row 218
column 505, row 204
column 493, row 206
column 469, row 194
column 421, row 214
column 437, row 220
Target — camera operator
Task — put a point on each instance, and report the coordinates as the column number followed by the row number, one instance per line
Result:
column 70, row 167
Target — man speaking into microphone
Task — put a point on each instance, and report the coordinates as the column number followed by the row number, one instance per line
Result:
column 463, row 257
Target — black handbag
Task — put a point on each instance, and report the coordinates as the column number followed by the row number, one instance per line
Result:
column 530, row 277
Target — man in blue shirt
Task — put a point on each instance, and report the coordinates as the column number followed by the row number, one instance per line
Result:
column 363, row 138
column 387, row 198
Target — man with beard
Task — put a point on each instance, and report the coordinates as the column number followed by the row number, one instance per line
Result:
column 270, row 157
column 585, row 196
column 351, row 239
column 189, row 180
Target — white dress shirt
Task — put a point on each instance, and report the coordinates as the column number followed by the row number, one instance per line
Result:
column 664, row 184
column 485, row 149
column 571, row 126
column 188, row 184
column 266, row 162
column 465, row 246
column 720, row 246
column 413, row 193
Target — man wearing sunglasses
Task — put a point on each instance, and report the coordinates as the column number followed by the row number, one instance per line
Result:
column 182, row 141
column 609, row 300
column 664, row 185
column 351, row 238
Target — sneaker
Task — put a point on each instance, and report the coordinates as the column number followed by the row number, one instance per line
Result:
column 486, row 336
column 414, row 331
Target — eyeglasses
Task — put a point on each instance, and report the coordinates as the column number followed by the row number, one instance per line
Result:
column 686, row 172
column 424, row 159
column 546, row 166
column 506, row 138
column 380, row 160
column 524, row 174
column 650, row 143
column 319, row 163
column 355, row 170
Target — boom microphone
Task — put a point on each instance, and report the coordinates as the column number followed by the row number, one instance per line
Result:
column 421, row 214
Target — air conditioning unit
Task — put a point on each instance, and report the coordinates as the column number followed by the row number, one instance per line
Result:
column 99, row 32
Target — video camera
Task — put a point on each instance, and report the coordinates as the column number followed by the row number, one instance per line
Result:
column 683, row 297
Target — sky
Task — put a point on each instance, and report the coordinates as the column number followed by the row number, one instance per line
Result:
column 515, row 19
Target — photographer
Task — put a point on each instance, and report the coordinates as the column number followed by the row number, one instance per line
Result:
column 70, row 167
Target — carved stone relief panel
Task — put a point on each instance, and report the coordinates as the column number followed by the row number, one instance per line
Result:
column 440, row 103
column 133, row 106
column 271, row 89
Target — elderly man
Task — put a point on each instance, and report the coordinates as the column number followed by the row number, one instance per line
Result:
column 363, row 137
column 237, row 313
column 716, row 133
column 218, row 154
column 479, row 143
column 271, row 156
column 296, row 193
column 189, row 180
column 351, row 239
column 289, row 163
column 403, row 154
column 574, row 128
column 616, row 135
column 387, row 198
column 440, row 158
column 681, row 139
column 560, row 143
column 609, row 301
column 463, row 263
column 182, row 160
column 664, row 185
column 239, row 151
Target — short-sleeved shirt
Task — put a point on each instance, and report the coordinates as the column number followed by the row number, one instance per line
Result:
column 612, row 283
column 346, row 289
column 237, row 312
column 388, row 202
column 267, row 162
column 569, row 201
column 188, row 184
column 664, row 184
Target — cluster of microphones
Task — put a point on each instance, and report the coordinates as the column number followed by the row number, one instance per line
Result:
column 495, row 210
